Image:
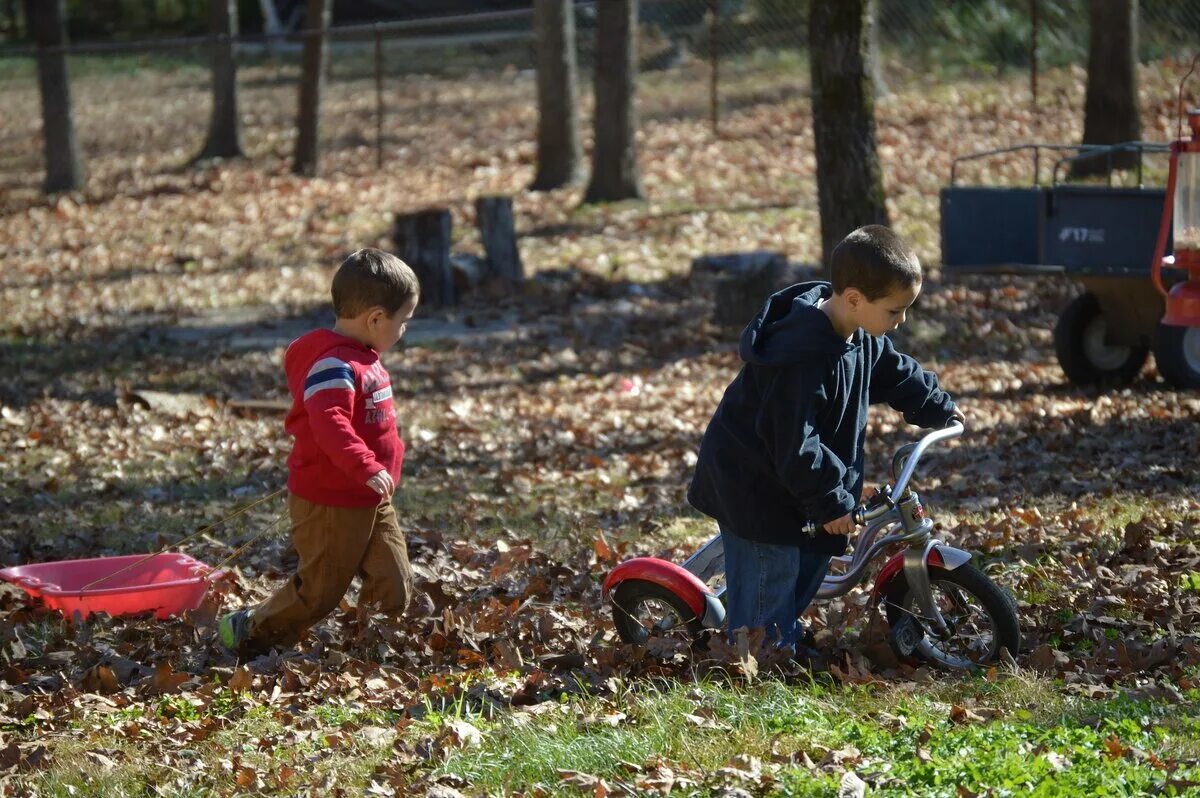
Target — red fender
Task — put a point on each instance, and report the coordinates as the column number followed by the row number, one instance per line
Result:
column 894, row 566
column 666, row 574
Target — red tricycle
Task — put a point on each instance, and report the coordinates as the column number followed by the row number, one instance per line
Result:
column 940, row 608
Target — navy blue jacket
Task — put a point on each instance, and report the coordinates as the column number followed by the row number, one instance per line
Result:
column 785, row 445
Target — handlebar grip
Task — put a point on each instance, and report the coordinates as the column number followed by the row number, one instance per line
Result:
column 858, row 514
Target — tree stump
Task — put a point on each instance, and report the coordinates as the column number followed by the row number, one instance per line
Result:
column 423, row 242
column 499, row 234
column 742, row 282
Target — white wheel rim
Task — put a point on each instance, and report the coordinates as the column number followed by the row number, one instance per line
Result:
column 1098, row 353
column 972, row 644
column 656, row 617
column 1191, row 348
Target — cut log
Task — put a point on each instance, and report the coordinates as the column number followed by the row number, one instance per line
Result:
column 499, row 234
column 742, row 282
column 423, row 242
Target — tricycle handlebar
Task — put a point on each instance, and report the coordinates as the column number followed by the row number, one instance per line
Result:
column 951, row 430
column 860, row 513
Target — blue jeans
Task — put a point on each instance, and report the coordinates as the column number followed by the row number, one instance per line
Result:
column 769, row 586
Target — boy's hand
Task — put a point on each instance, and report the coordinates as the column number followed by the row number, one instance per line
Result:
column 840, row 526
column 959, row 416
column 382, row 484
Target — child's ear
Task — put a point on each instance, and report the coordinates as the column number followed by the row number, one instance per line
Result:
column 376, row 315
column 853, row 297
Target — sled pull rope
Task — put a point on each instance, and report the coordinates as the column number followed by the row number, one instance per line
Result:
column 192, row 536
column 278, row 522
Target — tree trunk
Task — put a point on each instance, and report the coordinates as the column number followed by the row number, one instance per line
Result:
column 1111, row 108
column 499, row 234
column 849, row 180
column 225, row 128
column 558, row 149
column 614, row 154
column 423, row 242
column 312, row 74
column 47, row 21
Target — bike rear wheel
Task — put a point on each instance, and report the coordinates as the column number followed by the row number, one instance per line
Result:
column 981, row 614
column 643, row 610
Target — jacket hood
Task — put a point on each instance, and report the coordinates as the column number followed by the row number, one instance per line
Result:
column 310, row 346
column 791, row 328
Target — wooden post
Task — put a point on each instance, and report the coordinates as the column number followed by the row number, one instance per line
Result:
column 499, row 234
column 714, row 56
column 378, row 97
column 423, row 242
column 1033, row 75
column 314, row 62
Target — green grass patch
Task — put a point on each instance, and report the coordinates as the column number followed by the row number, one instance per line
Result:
column 258, row 752
column 1041, row 743
column 1015, row 735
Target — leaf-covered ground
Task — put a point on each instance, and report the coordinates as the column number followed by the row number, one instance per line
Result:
column 554, row 441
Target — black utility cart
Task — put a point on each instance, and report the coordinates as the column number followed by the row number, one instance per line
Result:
column 1101, row 235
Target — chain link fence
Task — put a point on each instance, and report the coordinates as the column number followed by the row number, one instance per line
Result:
column 145, row 105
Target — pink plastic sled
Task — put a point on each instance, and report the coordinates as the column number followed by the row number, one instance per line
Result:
column 166, row 584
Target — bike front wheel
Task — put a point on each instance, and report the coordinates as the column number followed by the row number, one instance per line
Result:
column 981, row 615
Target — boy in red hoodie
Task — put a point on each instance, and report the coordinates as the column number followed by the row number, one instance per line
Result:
column 345, row 462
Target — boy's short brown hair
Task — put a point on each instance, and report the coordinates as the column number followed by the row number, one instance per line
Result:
column 371, row 277
column 874, row 260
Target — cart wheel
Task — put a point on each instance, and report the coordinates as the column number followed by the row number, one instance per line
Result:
column 1177, row 353
column 1084, row 356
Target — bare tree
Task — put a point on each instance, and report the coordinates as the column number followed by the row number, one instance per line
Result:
column 47, row 21
column 849, row 180
column 1111, row 109
column 312, row 75
column 225, row 127
column 615, row 173
column 558, row 147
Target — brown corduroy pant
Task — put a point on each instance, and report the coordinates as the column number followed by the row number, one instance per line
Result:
column 335, row 544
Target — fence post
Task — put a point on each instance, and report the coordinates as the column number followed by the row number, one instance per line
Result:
column 714, row 57
column 378, row 97
column 1033, row 71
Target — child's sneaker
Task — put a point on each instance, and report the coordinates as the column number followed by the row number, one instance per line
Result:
column 806, row 648
column 233, row 629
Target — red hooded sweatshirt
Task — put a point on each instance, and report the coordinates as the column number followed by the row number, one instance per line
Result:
column 342, row 418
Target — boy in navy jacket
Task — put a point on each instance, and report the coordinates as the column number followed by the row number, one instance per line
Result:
column 785, row 445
